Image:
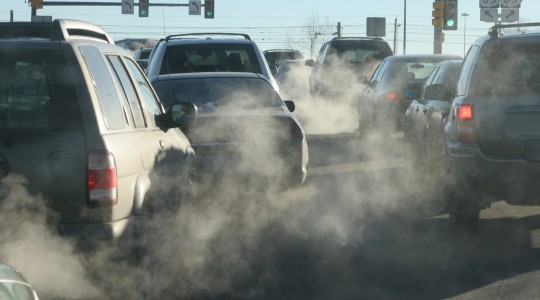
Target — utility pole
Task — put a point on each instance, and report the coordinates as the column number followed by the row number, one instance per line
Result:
column 404, row 26
column 396, row 25
column 339, row 29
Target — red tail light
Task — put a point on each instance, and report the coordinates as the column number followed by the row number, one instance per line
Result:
column 465, row 123
column 102, row 185
column 393, row 96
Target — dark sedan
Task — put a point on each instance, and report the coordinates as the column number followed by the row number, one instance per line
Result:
column 424, row 117
column 243, row 131
column 396, row 81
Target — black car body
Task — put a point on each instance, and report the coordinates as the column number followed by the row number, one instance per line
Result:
column 275, row 57
column 394, row 84
column 424, row 118
column 342, row 61
column 492, row 132
column 243, row 128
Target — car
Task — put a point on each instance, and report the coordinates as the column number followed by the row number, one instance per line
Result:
column 396, row 81
column 82, row 124
column 292, row 78
column 491, row 141
column 13, row 284
column 275, row 57
column 244, row 131
column 424, row 116
column 141, row 56
column 208, row 52
column 342, row 61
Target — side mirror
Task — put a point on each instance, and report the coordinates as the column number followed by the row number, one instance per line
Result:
column 181, row 114
column 435, row 92
column 290, row 105
column 309, row 62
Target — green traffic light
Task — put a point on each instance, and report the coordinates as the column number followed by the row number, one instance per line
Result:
column 450, row 23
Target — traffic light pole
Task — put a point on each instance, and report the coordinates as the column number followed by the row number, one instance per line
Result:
column 437, row 40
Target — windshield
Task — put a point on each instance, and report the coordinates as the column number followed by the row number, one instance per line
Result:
column 219, row 93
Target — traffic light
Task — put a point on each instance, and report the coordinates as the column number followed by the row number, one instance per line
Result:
column 437, row 13
column 450, row 14
column 143, row 8
column 37, row 4
column 208, row 9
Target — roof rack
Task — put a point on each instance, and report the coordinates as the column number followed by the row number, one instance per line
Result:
column 247, row 37
column 57, row 30
column 494, row 31
column 356, row 38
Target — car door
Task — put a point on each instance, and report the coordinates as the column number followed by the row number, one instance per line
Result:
column 168, row 153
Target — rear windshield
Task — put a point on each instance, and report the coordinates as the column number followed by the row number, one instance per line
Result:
column 508, row 69
column 402, row 71
column 219, row 93
column 36, row 91
column 276, row 58
column 226, row 57
column 356, row 52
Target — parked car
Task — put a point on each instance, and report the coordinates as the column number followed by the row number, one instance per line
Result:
column 243, row 130
column 396, row 81
column 14, row 286
column 208, row 52
column 424, row 117
column 81, row 122
column 275, row 57
column 141, row 56
column 342, row 61
column 292, row 78
column 492, row 131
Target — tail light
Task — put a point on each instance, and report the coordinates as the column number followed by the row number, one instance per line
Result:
column 393, row 96
column 102, row 184
column 465, row 123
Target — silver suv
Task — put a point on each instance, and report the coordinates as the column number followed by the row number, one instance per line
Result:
column 81, row 123
column 208, row 52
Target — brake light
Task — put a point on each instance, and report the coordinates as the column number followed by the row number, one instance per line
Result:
column 102, row 184
column 394, row 96
column 465, row 123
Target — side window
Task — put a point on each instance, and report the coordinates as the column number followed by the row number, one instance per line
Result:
column 130, row 93
column 104, row 87
column 436, row 76
column 430, row 80
column 467, row 68
column 320, row 55
column 380, row 71
column 152, row 105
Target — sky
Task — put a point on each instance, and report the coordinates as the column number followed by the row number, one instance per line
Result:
column 282, row 23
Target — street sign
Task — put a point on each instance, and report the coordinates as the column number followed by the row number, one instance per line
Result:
column 489, row 3
column 376, row 27
column 194, row 7
column 510, row 3
column 489, row 14
column 127, row 7
column 509, row 15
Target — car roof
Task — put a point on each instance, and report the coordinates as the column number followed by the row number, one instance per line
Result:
column 416, row 57
column 281, row 50
column 200, row 75
column 9, row 273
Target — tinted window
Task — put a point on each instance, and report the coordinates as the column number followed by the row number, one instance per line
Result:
column 104, row 87
column 517, row 74
column 215, row 93
column 37, row 92
column 151, row 103
column 400, row 71
column 130, row 93
column 210, row 58
column 355, row 52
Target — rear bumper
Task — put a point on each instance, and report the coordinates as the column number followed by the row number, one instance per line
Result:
column 512, row 180
column 91, row 235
